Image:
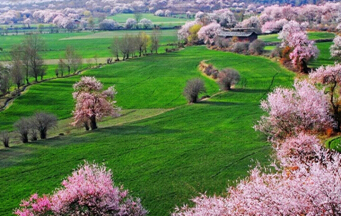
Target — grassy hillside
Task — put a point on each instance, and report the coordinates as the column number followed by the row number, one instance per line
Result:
column 165, row 156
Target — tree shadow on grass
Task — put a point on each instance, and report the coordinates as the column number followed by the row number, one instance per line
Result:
column 240, row 90
column 219, row 103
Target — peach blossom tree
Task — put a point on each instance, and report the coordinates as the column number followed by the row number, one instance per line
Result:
column 92, row 103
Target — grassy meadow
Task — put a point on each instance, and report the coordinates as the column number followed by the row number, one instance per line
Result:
column 163, row 150
column 157, row 20
column 88, row 44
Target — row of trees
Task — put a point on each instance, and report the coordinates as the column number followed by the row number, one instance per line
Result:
column 26, row 62
column 130, row 23
column 129, row 45
column 30, row 127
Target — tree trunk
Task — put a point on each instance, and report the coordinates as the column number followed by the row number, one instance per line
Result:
column 93, row 123
column 86, row 125
column 304, row 67
column 27, row 82
column 43, row 134
column 24, row 138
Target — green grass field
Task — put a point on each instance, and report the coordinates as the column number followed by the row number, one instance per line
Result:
column 311, row 35
column 163, row 150
column 161, row 21
column 88, row 44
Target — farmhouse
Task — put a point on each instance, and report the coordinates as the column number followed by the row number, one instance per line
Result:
column 242, row 36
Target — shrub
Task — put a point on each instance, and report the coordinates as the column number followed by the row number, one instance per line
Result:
column 256, row 47
column 276, row 52
column 209, row 70
column 228, row 77
column 89, row 191
column 43, row 122
column 215, row 74
column 240, row 47
column 193, row 88
column 4, row 138
column 23, row 126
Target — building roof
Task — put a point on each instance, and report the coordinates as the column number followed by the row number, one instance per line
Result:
column 235, row 34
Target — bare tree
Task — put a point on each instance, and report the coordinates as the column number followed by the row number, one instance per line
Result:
column 5, row 81
column 23, row 126
column 142, row 40
column 61, row 66
column 228, row 77
column 125, row 47
column 193, row 88
column 132, row 45
column 4, row 138
column 32, row 45
column 74, row 60
column 17, row 74
column 16, row 70
column 137, row 16
column 155, row 40
column 43, row 122
column 42, row 72
column 115, row 47
column 77, row 62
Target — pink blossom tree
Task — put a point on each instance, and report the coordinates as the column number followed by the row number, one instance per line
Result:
column 225, row 17
column 91, row 103
column 208, row 33
column 335, row 49
column 184, row 32
column 304, row 50
column 331, row 77
column 252, row 22
column 290, row 111
column 294, row 36
column 309, row 183
column 90, row 190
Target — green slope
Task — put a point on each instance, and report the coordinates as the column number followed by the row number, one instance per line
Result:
column 166, row 159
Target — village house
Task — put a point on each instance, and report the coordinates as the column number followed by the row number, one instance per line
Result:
column 240, row 35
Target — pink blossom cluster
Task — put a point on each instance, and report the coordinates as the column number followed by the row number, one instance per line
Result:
column 252, row 22
column 274, row 26
column 183, row 33
column 208, row 33
column 35, row 206
column 88, row 191
column 289, row 29
column 327, row 74
column 327, row 13
column 335, row 49
column 290, row 111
